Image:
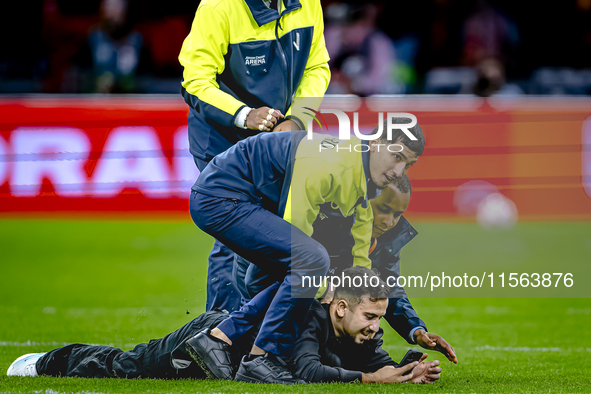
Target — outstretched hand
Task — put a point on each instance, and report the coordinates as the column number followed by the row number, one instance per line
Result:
column 426, row 372
column 431, row 341
column 389, row 374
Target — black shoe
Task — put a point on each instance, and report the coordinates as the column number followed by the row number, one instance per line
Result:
column 265, row 369
column 217, row 359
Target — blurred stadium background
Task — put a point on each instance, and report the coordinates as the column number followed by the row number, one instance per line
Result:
column 96, row 242
column 424, row 46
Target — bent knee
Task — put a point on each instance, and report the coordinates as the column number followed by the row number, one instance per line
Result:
column 314, row 259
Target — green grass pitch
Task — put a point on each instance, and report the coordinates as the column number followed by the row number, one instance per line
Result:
column 126, row 282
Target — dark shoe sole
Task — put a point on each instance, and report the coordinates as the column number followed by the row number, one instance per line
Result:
column 247, row 379
column 195, row 355
column 243, row 378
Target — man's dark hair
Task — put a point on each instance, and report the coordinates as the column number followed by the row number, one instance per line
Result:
column 403, row 184
column 398, row 135
column 371, row 287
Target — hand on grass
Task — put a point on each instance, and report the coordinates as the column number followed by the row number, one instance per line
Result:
column 426, row 372
column 435, row 342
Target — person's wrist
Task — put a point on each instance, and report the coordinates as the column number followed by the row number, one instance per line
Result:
column 248, row 111
column 368, row 378
column 296, row 121
column 419, row 331
column 240, row 120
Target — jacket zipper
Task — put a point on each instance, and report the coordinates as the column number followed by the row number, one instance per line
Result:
column 282, row 51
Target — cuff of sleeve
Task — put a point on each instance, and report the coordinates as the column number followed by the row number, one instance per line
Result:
column 337, row 374
column 411, row 336
column 349, row 376
column 297, row 121
column 240, row 119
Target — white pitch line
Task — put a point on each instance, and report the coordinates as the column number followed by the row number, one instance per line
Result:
column 30, row 343
column 59, row 344
column 51, row 391
column 523, row 349
column 489, row 348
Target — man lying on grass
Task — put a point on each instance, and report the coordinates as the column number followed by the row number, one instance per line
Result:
column 340, row 342
column 390, row 233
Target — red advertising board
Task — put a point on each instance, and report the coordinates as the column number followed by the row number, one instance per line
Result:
column 129, row 154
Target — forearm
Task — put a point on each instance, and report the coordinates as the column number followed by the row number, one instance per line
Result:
column 313, row 85
column 403, row 318
column 315, row 372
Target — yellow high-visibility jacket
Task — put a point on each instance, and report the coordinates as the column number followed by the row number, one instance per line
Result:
column 241, row 53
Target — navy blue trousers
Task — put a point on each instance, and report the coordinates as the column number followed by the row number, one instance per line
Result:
column 273, row 244
column 251, row 280
column 250, row 317
column 222, row 291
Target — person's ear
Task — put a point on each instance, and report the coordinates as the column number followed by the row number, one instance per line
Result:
column 342, row 307
column 372, row 145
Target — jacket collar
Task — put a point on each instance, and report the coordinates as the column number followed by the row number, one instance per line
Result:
column 263, row 15
column 332, row 336
column 397, row 237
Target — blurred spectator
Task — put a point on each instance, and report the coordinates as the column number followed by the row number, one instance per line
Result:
column 163, row 38
column 164, row 28
column 488, row 34
column 582, row 21
column 115, row 49
column 363, row 58
column 21, row 68
column 376, row 46
column 439, row 30
column 490, row 80
column 65, row 28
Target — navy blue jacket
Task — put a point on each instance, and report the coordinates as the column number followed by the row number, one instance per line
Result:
column 331, row 230
column 254, row 170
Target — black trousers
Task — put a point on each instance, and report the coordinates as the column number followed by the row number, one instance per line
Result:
column 164, row 358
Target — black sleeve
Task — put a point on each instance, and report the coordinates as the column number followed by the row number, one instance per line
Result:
column 377, row 357
column 306, row 355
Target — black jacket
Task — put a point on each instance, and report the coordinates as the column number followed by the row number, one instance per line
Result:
column 330, row 229
column 319, row 356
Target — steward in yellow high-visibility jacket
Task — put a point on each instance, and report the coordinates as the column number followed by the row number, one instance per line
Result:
column 242, row 53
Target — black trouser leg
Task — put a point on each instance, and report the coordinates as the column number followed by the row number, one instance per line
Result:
column 160, row 358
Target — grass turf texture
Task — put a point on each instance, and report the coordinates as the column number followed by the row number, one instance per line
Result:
column 122, row 283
